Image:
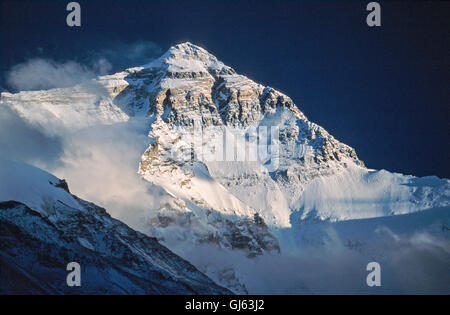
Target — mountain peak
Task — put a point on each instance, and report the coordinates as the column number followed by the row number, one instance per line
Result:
column 187, row 47
column 187, row 57
column 187, row 50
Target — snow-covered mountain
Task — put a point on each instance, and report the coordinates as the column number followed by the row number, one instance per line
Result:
column 188, row 101
column 44, row 228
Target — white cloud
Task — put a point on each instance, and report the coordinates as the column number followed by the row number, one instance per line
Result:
column 43, row 73
column 40, row 74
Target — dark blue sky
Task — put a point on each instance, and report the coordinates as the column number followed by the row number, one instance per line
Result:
column 384, row 91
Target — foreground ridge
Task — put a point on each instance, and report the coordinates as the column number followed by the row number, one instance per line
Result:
column 37, row 243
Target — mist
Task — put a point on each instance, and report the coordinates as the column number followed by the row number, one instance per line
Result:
column 20, row 140
column 410, row 264
column 101, row 163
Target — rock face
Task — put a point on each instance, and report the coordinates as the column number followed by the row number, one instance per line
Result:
column 189, row 101
column 191, row 88
column 37, row 244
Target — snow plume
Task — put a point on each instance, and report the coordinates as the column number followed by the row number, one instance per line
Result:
column 100, row 165
column 43, row 74
column 99, row 162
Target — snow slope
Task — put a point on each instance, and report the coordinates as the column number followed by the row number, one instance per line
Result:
column 44, row 227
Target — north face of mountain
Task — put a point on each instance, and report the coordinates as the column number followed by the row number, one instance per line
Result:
column 315, row 175
column 306, row 177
